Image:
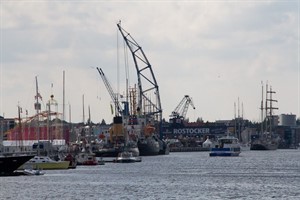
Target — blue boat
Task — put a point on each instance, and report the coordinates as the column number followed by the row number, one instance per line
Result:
column 227, row 146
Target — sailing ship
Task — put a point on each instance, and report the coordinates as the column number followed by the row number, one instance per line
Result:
column 266, row 139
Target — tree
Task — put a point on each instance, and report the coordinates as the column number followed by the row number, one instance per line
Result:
column 103, row 122
column 199, row 119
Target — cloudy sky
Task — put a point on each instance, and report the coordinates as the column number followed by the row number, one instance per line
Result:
column 214, row 51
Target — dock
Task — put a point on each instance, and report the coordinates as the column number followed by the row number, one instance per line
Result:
column 188, row 149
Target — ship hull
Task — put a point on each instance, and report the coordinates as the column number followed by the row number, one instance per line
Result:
column 46, row 166
column 114, row 152
column 263, row 147
column 148, row 146
column 8, row 164
column 164, row 148
column 107, row 152
column 45, row 163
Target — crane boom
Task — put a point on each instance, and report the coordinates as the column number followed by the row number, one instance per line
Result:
column 111, row 92
column 147, row 85
column 182, row 108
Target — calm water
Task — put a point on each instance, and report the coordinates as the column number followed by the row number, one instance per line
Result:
column 192, row 175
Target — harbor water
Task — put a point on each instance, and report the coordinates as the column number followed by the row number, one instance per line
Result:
column 179, row 175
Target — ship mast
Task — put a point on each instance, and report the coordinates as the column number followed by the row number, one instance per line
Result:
column 37, row 107
column 271, row 108
column 20, row 131
column 262, row 108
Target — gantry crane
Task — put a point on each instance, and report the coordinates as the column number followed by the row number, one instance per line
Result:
column 181, row 110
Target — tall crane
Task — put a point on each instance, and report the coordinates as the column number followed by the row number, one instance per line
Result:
column 181, row 109
column 147, row 85
column 113, row 95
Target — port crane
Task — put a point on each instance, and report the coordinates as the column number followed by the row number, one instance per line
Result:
column 147, row 85
column 118, row 107
column 182, row 108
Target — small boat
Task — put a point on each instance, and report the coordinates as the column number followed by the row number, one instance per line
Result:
column 86, row 158
column 35, row 172
column 227, row 146
column 72, row 159
column 44, row 162
column 101, row 161
column 127, row 157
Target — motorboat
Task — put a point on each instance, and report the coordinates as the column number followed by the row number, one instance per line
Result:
column 227, row 146
column 86, row 158
column 35, row 172
column 72, row 159
column 127, row 157
column 45, row 163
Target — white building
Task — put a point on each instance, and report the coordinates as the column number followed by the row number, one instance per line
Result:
column 287, row 120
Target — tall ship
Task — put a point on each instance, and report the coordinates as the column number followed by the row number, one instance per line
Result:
column 266, row 138
column 140, row 110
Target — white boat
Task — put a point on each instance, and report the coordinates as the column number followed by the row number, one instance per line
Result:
column 127, row 157
column 227, row 146
column 86, row 158
column 245, row 146
column 45, row 163
column 35, row 172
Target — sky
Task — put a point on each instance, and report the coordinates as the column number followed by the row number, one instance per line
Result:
column 217, row 52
